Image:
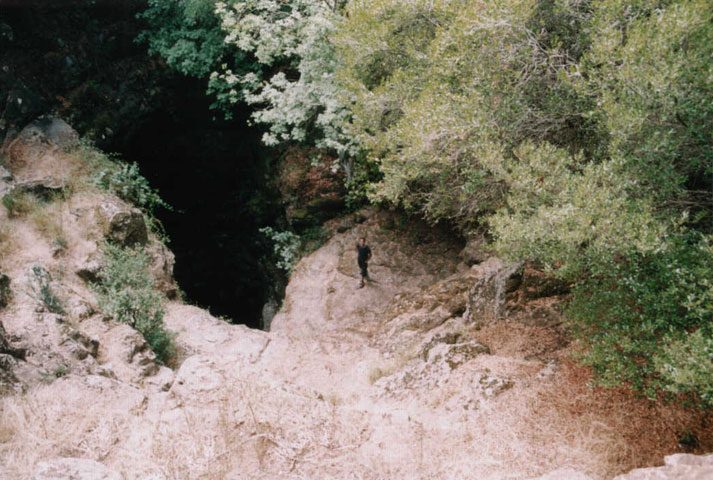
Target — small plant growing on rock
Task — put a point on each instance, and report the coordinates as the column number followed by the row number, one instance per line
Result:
column 60, row 371
column 126, row 291
column 126, row 181
column 286, row 246
column 42, row 291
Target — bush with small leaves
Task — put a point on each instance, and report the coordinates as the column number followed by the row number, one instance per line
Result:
column 645, row 318
column 126, row 181
column 286, row 246
column 126, row 292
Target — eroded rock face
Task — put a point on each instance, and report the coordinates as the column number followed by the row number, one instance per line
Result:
column 486, row 299
column 122, row 224
column 8, row 379
column 9, row 356
column 161, row 265
column 127, row 353
column 299, row 401
column 6, row 346
column 90, row 268
column 312, row 190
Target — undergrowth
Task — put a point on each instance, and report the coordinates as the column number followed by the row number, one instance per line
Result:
column 126, row 291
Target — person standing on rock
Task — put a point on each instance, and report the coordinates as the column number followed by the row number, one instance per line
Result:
column 363, row 257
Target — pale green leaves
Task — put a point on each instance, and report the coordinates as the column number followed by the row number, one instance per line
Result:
column 565, row 213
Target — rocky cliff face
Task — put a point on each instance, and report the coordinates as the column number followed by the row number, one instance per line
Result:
column 438, row 369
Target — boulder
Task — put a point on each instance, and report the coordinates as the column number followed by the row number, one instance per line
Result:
column 79, row 309
column 89, row 269
column 457, row 349
column 38, row 138
column 73, row 469
column 122, row 224
column 49, row 129
column 5, row 291
column 486, row 298
column 81, row 345
column 162, row 380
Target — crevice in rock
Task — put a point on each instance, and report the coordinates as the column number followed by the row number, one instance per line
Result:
column 218, row 178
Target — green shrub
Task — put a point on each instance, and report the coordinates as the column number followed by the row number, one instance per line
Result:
column 126, row 292
column 188, row 36
column 686, row 365
column 645, row 319
column 125, row 180
column 286, row 247
column 42, row 291
column 568, row 214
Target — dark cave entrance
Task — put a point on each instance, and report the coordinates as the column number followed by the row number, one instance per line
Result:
column 85, row 65
column 216, row 175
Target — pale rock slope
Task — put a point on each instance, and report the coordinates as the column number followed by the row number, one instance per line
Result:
column 439, row 369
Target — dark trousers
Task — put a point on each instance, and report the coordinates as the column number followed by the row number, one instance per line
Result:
column 363, row 267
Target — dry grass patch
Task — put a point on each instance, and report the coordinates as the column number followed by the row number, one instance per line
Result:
column 7, row 242
column 514, row 339
column 48, row 220
column 18, row 203
column 67, row 420
column 612, row 430
column 83, row 165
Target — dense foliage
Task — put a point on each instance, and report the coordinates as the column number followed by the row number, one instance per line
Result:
column 577, row 132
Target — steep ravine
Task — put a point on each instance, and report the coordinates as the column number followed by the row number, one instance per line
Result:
column 443, row 368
